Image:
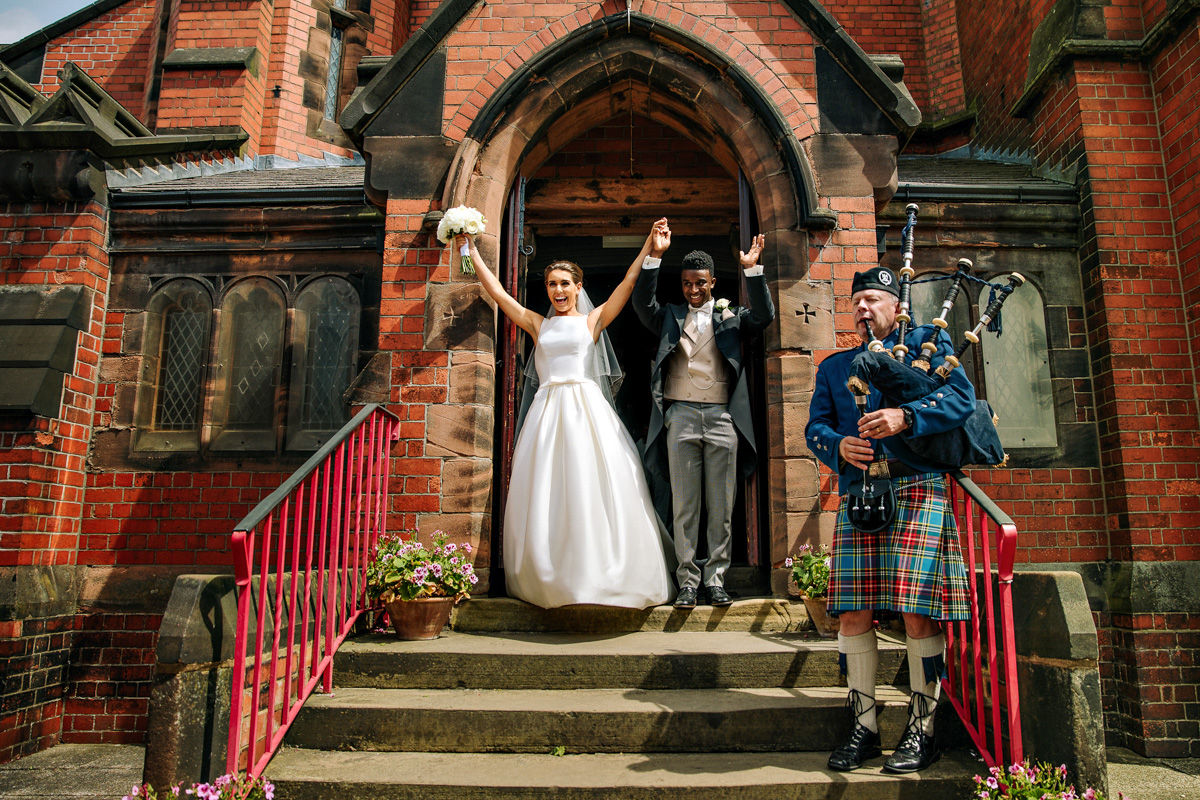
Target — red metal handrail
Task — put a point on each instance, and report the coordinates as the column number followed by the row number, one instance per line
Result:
column 981, row 683
column 330, row 510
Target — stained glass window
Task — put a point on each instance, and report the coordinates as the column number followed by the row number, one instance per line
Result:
column 926, row 302
column 178, row 322
column 333, row 79
column 251, row 349
column 323, row 363
column 1016, row 367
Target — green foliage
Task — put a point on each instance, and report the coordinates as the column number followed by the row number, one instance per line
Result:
column 226, row 787
column 404, row 569
column 810, row 570
column 1025, row 782
column 558, row 750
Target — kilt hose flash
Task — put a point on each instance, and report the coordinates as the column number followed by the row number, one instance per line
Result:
column 915, row 566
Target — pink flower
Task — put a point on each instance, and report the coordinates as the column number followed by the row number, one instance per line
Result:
column 787, row 562
column 993, row 783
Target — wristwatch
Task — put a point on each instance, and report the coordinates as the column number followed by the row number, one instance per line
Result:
column 909, row 417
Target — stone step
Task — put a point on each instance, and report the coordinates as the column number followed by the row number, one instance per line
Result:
column 586, row 720
column 301, row 774
column 504, row 614
column 683, row 660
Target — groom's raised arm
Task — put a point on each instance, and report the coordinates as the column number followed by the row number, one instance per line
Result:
column 645, row 291
column 762, row 310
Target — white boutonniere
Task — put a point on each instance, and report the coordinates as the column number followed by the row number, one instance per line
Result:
column 721, row 307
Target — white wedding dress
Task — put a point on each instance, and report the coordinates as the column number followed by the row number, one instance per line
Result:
column 579, row 526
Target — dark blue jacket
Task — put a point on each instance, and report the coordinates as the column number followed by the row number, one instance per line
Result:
column 832, row 415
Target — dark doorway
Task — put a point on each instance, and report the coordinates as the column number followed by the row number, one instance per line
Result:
column 603, row 268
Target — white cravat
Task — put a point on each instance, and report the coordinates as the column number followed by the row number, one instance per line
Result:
column 700, row 317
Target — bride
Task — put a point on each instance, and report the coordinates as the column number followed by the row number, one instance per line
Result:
column 579, row 526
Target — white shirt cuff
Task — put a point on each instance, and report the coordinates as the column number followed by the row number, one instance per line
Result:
column 753, row 272
column 651, row 262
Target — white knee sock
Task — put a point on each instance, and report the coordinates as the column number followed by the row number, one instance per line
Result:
column 862, row 662
column 926, row 659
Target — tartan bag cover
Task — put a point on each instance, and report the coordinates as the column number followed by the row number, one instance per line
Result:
column 915, row 566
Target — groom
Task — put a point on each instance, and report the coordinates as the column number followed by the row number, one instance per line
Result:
column 699, row 394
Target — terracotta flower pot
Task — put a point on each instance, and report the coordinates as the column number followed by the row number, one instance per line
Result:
column 422, row 618
column 824, row 624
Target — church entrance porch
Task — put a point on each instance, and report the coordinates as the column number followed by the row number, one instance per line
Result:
column 623, row 151
column 592, row 203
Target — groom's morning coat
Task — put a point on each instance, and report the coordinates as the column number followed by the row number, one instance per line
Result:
column 729, row 328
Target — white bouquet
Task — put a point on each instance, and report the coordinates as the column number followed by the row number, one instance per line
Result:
column 461, row 219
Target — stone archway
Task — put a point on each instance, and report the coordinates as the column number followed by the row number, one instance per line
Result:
column 597, row 74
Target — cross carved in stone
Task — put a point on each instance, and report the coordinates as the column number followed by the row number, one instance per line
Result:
column 806, row 313
column 448, row 316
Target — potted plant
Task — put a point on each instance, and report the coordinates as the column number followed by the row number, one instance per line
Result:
column 418, row 585
column 810, row 573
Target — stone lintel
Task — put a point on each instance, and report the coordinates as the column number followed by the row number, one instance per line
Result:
column 37, row 592
column 189, row 58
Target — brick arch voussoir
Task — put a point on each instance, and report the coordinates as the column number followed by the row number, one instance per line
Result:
column 682, row 28
column 708, row 111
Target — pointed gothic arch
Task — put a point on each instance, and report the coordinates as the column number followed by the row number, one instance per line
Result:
column 616, row 65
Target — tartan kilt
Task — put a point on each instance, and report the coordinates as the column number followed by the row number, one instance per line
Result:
column 914, row 567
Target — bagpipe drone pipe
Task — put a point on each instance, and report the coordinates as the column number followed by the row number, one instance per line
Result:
column 899, row 381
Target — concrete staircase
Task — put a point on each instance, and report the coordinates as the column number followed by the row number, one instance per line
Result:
column 715, row 703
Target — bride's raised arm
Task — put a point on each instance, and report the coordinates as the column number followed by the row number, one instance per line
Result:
column 656, row 244
column 526, row 320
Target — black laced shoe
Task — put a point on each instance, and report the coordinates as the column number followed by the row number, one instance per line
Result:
column 916, row 750
column 717, row 596
column 686, row 598
column 863, row 742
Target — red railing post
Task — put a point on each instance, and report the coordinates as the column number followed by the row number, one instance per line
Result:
column 965, row 655
column 323, row 505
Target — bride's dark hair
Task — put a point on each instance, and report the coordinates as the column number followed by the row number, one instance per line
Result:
column 568, row 266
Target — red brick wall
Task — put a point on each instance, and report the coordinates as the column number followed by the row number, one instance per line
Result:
column 113, row 49
column 946, row 94
column 1176, row 78
column 994, row 43
column 168, row 518
column 1123, row 125
column 412, row 257
column 34, row 654
column 207, row 97
column 392, row 21
column 44, row 460
column 43, row 463
column 885, row 27
column 493, row 40
column 111, row 675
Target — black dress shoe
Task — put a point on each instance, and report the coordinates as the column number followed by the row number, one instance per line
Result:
column 916, row 750
column 717, row 596
column 686, row 598
column 862, row 744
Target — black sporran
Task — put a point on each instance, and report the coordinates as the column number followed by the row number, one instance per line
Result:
column 871, row 505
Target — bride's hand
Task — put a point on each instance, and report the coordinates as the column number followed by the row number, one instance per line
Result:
column 461, row 238
column 660, row 238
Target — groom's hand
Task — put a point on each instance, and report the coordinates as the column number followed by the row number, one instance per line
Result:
column 748, row 260
column 660, row 238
